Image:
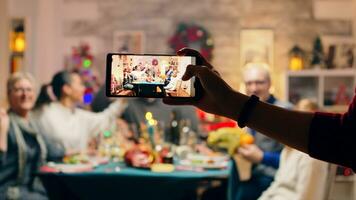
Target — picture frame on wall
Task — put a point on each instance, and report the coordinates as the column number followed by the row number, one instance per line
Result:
column 256, row 45
column 339, row 52
column 128, row 42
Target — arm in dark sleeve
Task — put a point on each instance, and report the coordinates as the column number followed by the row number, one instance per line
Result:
column 332, row 137
column 2, row 158
column 55, row 150
column 100, row 101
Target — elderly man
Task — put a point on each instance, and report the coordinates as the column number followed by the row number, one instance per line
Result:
column 265, row 153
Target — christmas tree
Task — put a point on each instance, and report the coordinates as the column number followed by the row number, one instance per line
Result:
column 317, row 53
column 81, row 61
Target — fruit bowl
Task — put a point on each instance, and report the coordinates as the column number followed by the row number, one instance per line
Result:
column 139, row 156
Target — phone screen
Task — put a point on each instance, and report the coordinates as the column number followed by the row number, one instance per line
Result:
column 148, row 76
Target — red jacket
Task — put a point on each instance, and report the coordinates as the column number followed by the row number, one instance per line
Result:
column 332, row 137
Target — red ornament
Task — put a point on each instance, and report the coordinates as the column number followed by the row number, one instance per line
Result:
column 192, row 34
column 88, row 90
column 200, row 33
column 154, row 62
column 341, row 96
column 347, row 172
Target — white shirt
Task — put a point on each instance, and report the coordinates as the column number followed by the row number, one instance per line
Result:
column 172, row 84
column 299, row 177
column 74, row 127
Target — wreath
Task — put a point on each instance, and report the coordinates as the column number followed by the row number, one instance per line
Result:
column 193, row 36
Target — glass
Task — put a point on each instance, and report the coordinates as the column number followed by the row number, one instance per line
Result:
column 22, row 90
column 257, row 82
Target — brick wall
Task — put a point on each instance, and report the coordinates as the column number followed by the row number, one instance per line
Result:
column 292, row 21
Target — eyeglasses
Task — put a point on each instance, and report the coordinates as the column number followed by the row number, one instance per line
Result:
column 22, row 90
column 257, row 82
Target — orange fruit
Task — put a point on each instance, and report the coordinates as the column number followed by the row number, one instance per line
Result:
column 246, row 139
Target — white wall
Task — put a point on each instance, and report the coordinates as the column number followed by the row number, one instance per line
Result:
column 333, row 9
column 354, row 20
column 25, row 9
column 48, row 39
column 43, row 35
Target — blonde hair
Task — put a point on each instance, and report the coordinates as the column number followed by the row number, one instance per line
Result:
column 306, row 105
column 15, row 77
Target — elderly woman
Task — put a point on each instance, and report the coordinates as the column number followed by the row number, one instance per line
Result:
column 22, row 149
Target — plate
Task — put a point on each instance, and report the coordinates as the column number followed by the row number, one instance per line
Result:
column 98, row 160
column 206, row 162
column 66, row 168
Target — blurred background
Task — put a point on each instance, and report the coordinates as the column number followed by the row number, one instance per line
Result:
column 51, row 28
column 308, row 45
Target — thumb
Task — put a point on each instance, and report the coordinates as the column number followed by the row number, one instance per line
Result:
column 209, row 79
column 200, row 60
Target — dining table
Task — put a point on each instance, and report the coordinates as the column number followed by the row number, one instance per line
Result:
column 148, row 89
column 115, row 180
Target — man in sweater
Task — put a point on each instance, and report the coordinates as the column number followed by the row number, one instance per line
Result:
column 265, row 153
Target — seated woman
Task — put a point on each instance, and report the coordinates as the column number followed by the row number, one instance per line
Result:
column 299, row 176
column 22, row 149
column 61, row 120
column 168, row 75
column 128, row 79
column 172, row 85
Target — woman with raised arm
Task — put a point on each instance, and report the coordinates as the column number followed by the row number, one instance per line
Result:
column 62, row 121
column 325, row 136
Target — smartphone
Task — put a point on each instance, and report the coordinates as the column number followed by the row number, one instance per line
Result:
column 149, row 76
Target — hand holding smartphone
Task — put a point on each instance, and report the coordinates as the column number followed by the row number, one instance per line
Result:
column 150, row 76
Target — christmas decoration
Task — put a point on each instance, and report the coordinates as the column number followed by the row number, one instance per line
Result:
column 17, row 42
column 318, row 55
column 81, row 61
column 341, row 96
column 193, row 36
column 296, row 58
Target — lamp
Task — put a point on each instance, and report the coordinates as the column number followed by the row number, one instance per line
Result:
column 296, row 58
column 17, row 40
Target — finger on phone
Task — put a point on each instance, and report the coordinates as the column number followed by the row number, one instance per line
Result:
column 189, row 72
column 191, row 52
column 188, row 52
column 194, row 70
